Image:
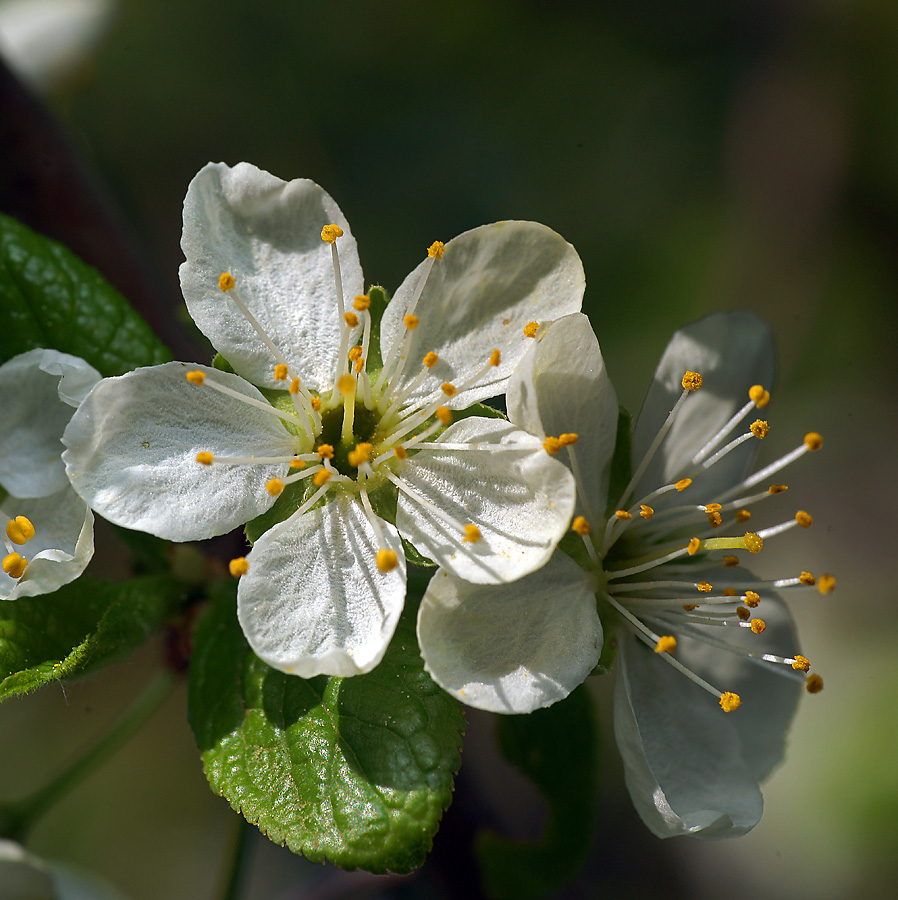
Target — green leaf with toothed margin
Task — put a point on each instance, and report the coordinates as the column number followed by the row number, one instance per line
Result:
column 356, row 771
column 49, row 298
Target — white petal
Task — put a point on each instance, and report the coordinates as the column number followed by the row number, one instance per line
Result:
column 511, row 648
column 490, row 283
column 683, row 759
column 731, row 351
column 132, row 449
column 506, row 484
column 267, row 233
column 36, row 410
column 561, row 386
column 313, row 601
column 61, row 548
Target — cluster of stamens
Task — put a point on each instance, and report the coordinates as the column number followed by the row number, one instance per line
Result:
column 18, row 532
column 636, row 539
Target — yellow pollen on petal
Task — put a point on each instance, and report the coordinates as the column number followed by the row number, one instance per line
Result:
column 580, row 525
column 472, row 534
column 758, row 626
column 316, row 404
column 20, row 530
column 400, row 451
column 436, row 250
column 387, row 560
column 195, row 377
column 754, row 543
column 274, row 487
column 326, row 451
column 567, row 439
column 777, row 488
column 759, row 428
column 807, row 578
column 297, row 463
column 226, row 281
column 742, row 515
column 814, row 684
column 361, row 303
column 495, row 358
column 804, row 519
column 322, row 476
column 752, row 599
column 730, row 592
column 682, row 484
column 758, row 396
column 743, row 613
column 530, row 329
column 693, row 546
column 715, row 519
column 623, row 515
column 730, row 561
column 355, row 353
column 825, row 583
column 280, row 372
column 667, row 643
column 705, row 587
column 346, row 384
column 444, row 414
column 430, row 360
column 330, row 233
column 692, row 381
column 551, row 445
column 448, row 389
column 238, row 566
column 813, row 441
column 801, row 663
column 205, row 458
column 730, row 701
column 411, row 321
column 14, row 565
column 646, row 511
column 361, row 454
column 351, row 319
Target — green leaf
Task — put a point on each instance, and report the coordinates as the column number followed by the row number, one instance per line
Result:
column 556, row 748
column 356, row 771
column 78, row 628
column 621, row 465
column 49, row 298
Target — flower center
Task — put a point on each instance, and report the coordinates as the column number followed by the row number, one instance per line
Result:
column 347, row 457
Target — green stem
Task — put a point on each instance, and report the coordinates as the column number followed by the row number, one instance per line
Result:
column 234, row 878
column 18, row 817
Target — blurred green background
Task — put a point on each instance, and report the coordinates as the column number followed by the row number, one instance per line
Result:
column 700, row 156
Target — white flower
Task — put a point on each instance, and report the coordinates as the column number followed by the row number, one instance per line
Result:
column 344, row 456
column 658, row 569
column 49, row 534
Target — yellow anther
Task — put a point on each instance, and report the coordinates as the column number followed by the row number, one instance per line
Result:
column 14, row 565
column 495, row 358
column 361, row 303
column 713, row 507
column 205, row 458
column 316, row 404
column 804, row 519
column 567, row 439
column 430, row 360
column 322, row 476
column 758, row 626
column 731, row 561
column 359, row 364
column 400, row 451
column 19, row 530
column 813, row 441
column 326, row 451
column 689, row 607
column 715, row 519
column 693, row 546
column 692, row 381
column 355, row 353
column 730, row 592
column 743, row 613
column 758, row 396
column 280, row 372
column 825, row 583
column 623, row 515
column 530, row 329
column 448, row 389
column 351, row 319
column 807, row 578
column 752, row 599
column 294, row 387
column 387, row 560
column 226, row 281
column 705, row 587
column 444, row 414
column 297, row 463
column 330, row 233
column 759, row 428
column 814, row 684
column 551, row 445
column 581, row 526
column 411, row 321
column 275, row 487
column 754, row 543
column 730, row 701
column 742, row 515
column 346, row 384
column 195, row 377
column 682, row 484
column 361, row 454
column 801, row 663
column 777, row 488
column 667, row 643
column 436, row 250
column 472, row 534
column 646, row 511
column 238, row 567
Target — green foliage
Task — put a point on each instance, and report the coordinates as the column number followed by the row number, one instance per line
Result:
column 78, row 628
column 49, row 298
column 621, row 464
column 356, row 771
column 557, row 749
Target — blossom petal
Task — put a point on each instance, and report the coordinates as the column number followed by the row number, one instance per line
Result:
column 37, row 388
column 61, row 548
column 490, row 283
column 505, row 484
column 267, row 233
column 684, row 762
column 313, row 601
column 561, row 386
column 132, row 449
column 511, row 648
column 732, row 351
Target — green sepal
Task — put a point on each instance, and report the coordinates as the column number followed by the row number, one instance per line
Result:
column 78, row 628
column 557, row 749
column 50, row 298
column 356, row 771
column 621, row 462
column 220, row 363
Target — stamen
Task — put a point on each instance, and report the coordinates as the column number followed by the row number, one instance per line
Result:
column 430, row 359
column 226, row 282
column 14, row 565
column 200, row 378
column 730, row 701
column 472, row 534
column 814, row 684
column 825, row 583
column 530, row 329
column 196, row 377
column 580, row 525
column 361, row 303
column 495, row 357
column 804, row 519
column 752, row 599
column 411, row 321
column 275, row 487
column 646, row 511
column 806, row 578
column 361, row 454
column 801, row 663
column 321, row 477
column 238, row 566
column 436, row 250
column 759, row 428
column 759, row 396
column 330, row 233
column 280, row 372
column 19, row 530
column 692, row 381
column 758, row 626
column 205, row 458
column 387, row 560
column 666, row 644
